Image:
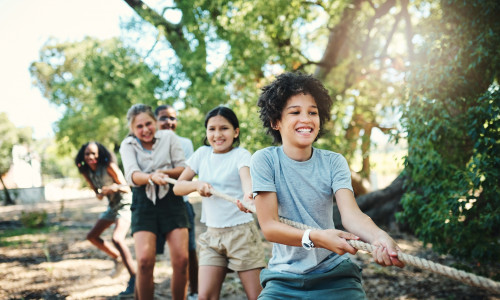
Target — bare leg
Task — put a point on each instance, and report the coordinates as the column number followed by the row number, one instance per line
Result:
column 145, row 251
column 121, row 229
column 210, row 282
column 177, row 240
column 251, row 283
column 94, row 236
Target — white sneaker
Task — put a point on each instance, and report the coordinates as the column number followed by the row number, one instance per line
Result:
column 117, row 268
column 192, row 297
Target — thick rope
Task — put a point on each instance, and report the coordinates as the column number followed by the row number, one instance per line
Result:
column 469, row 278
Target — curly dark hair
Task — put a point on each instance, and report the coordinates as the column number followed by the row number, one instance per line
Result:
column 276, row 94
column 105, row 157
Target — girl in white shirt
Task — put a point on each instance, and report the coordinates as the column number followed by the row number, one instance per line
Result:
column 232, row 240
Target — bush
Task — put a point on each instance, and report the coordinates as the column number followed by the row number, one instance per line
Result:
column 452, row 198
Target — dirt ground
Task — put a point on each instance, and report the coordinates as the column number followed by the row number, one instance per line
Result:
column 58, row 263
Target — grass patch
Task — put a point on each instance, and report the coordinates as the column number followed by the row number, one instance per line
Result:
column 24, row 235
column 34, row 219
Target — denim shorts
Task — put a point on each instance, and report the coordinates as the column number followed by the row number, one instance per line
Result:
column 342, row 282
column 117, row 212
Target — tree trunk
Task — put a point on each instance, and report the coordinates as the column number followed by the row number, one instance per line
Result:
column 380, row 205
column 8, row 199
column 337, row 41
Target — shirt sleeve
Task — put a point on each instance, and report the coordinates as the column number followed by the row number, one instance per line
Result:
column 262, row 172
column 194, row 160
column 244, row 159
column 129, row 160
column 176, row 152
column 341, row 174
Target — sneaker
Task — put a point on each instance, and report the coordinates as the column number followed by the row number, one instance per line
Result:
column 130, row 287
column 193, row 296
column 117, row 268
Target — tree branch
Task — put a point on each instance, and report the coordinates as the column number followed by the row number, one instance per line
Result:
column 337, row 40
column 379, row 12
column 172, row 32
column 408, row 29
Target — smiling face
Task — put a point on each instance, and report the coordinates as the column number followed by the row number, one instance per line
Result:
column 221, row 134
column 299, row 124
column 144, row 128
column 91, row 155
column 167, row 119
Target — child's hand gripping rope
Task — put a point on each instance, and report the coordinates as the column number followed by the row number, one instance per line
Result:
column 463, row 276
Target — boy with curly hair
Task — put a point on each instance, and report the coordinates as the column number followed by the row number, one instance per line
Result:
column 299, row 182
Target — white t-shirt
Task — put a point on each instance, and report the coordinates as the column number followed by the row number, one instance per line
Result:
column 221, row 170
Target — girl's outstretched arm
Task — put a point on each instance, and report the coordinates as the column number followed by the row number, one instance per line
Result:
column 185, row 185
column 246, row 184
column 278, row 232
column 357, row 222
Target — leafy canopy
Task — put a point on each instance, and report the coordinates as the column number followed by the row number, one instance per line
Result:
column 453, row 125
column 96, row 82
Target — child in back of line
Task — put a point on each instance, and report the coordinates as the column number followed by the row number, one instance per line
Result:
column 232, row 240
column 97, row 165
column 299, row 182
column 167, row 120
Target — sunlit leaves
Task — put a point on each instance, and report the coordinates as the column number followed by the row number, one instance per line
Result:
column 453, row 121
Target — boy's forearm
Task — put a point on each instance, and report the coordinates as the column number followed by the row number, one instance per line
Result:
column 363, row 226
column 277, row 232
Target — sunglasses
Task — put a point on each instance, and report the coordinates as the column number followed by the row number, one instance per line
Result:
column 167, row 118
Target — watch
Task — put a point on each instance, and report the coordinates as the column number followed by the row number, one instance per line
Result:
column 306, row 241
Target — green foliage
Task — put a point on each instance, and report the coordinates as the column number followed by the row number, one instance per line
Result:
column 96, row 82
column 53, row 165
column 222, row 53
column 453, row 121
column 34, row 219
column 228, row 50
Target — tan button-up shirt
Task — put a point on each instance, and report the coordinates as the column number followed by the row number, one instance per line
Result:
column 166, row 154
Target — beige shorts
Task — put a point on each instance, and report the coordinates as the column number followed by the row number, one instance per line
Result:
column 239, row 248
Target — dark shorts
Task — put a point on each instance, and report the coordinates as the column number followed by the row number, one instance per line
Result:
column 168, row 214
column 342, row 282
column 160, row 241
column 192, row 238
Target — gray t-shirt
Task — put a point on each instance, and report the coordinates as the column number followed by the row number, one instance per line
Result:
column 305, row 191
